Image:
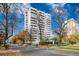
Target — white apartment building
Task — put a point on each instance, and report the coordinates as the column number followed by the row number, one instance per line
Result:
column 38, row 24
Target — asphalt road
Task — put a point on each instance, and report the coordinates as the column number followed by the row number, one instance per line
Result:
column 48, row 52
column 29, row 51
column 41, row 52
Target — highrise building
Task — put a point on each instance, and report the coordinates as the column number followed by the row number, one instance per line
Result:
column 38, row 24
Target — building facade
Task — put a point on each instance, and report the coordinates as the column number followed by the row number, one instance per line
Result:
column 72, row 27
column 38, row 24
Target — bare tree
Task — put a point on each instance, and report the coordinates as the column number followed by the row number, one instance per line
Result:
column 59, row 14
column 7, row 25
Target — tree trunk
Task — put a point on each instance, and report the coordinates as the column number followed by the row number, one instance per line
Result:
column 6, row 24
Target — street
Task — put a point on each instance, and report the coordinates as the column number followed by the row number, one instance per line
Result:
column 41, row 52
column 30, row 51
column 49, row 52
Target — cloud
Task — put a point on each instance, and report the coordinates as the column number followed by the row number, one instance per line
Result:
column 19, row 7
column 54, row 5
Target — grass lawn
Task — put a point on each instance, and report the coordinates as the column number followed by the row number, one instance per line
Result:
column 72, row 48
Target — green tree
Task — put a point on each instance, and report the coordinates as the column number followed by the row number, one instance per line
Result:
column 74, row 39
column 44, row 41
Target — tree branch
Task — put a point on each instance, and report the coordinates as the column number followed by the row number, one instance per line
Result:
column 2, row 23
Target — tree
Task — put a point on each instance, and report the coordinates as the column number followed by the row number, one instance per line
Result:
column 10, row 15
column 74, row 39
column 77, row 37
column 21, row 38
column 44, row 41
column 5, row 25
column 59, row 13
column 55, row 39
column 1, row 37
column 17, row 39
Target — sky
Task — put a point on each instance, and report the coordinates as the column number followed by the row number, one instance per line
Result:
column 71, row 7
column 48, row 8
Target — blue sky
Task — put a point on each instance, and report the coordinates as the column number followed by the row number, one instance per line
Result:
column 70, row 7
